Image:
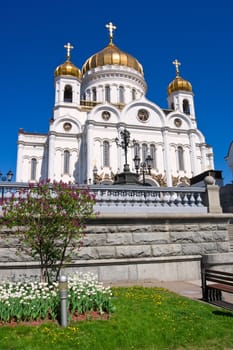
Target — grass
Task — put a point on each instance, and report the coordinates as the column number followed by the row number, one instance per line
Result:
column 145, row 319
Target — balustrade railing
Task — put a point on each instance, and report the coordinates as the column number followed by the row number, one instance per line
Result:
column 110, row 199
column 142, row 199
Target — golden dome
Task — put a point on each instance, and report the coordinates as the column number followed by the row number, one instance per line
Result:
column 68, row 68
column 178, row 83
column 111, row 55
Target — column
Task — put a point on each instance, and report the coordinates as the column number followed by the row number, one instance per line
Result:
column 89, row 156
column 203, row 157
column 193, row 153
column 51, row 157
column 20, row 168
column 167, row 159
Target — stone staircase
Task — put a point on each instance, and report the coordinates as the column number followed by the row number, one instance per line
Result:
column 230, row 233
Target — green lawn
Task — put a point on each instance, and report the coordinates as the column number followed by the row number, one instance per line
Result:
column 145, row 318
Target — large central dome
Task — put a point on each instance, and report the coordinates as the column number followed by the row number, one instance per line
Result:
column 111, row 55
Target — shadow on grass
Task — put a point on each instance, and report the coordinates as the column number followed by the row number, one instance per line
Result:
column 223, row 313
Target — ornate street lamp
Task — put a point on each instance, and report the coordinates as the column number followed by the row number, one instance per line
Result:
column 126, row 177
column 144, row 167
column 8, row 177
column 125, row 136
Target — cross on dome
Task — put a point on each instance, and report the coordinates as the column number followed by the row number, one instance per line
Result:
column 177, row 64
column 68, row 47
column 111, row 28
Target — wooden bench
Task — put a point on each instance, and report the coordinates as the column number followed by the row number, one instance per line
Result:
column 215, row 282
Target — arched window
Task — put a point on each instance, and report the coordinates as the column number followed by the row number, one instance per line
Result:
column 68, row 95
column 107, row 93
column 133, row 94
column 94, row 94
column 33, row 168
column 186, row 107
column 105, row 153
column 153, row 155
column 144, row 151
column 180, row 158
column 66, row 165
column 121, row 94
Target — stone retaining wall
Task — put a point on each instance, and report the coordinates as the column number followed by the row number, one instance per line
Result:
column 140, row 247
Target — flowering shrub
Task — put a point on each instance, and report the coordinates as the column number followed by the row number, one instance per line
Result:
column 49, row 219
column 36, row 300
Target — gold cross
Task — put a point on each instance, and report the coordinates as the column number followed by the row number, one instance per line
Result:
column 177, row 64
column 111, row 28
column 69, row 47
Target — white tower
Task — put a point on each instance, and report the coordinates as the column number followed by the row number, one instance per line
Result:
column 67, row 85
column 63, row 139
column 180, row 95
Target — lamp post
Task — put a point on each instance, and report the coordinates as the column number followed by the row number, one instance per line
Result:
column 4, row 178
column 63, row 291
column 144, row 167
column 125, row 136
column 95, row 174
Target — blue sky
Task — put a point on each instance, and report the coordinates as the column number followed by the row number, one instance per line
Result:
column 198, row 33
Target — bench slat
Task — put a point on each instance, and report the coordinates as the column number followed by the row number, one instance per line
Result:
column 219, row 280
column 219, row 272
column 222, row 282
column 222, row 287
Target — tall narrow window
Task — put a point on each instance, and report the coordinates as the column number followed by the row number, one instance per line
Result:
column 133, row 94
column 121, row 94
column 180, row 158
column 144, row 151
column 105, row 153
column 186, row 107
column 107, row 93
column 136, row 149
column 66, row 162
column 94, row 94
column 33, row 168
column 68, row 95
column 153, row 155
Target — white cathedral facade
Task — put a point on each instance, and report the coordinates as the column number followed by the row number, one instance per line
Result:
column 93, row 106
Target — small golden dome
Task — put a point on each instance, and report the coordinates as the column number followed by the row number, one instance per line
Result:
column 111, row 55
column 178, row 83
column 68, row 68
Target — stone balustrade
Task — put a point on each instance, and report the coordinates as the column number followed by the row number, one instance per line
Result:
column 119, row 199
column 135, row 198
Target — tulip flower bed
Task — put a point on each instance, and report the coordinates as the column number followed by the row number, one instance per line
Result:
column 30, row 301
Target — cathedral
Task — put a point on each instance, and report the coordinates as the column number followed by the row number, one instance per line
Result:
column 94, row 106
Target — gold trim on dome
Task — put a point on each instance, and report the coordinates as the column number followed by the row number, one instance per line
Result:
column 178, row 83
column 111, row 55
column 68, row 68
